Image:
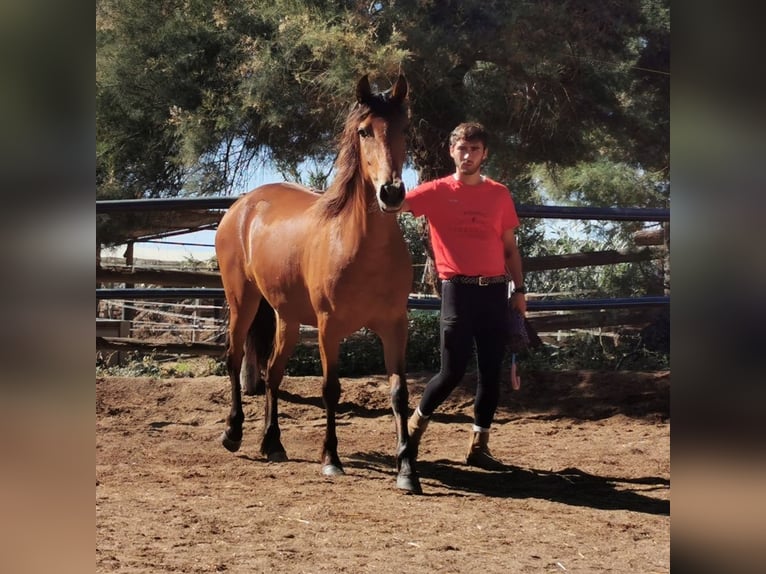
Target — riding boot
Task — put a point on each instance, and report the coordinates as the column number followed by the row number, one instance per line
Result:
column 416, row 426
column 479, row 455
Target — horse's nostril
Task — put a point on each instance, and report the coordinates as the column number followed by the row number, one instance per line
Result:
column 392, row 193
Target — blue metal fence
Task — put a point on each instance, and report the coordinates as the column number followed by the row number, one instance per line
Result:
column 425, row 303
column 428, row 303
column 531, row 211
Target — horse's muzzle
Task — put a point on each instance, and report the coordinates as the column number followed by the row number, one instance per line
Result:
column 392, row 194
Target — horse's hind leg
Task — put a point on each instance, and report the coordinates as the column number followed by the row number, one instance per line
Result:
column 286, row 337
column 258, row 347
column 242, row 309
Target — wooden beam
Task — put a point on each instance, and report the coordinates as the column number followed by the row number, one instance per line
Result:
column 148, row 225
column 650, row 236
column 609, row 257
column 543, row 323
column 162, row 277
column 128, row 344
column 548, row 323
column 169, row 278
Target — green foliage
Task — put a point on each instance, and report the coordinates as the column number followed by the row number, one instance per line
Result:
column 423, row 345
column 135, row 365
column 304, row 361
column 163, row 91
column 362, row 353
column 582, row 280
column 594, row 352
column 189, row 92
column 576, row 95
column 413, row 231
column 218, row 368
column 601, row 183
column 359, row 355
column 556, row 82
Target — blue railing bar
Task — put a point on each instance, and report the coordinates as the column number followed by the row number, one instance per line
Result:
column 424, row 303
column 611, row 303
column 163, row 204
column 161, row 293
column 597, row 213
column 532, row 211
column 432, row 303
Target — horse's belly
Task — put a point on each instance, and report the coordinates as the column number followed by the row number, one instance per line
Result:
column 292, row 304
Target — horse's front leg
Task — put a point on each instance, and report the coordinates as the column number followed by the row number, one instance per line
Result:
column 394, row 340
column 329, row 349
column 407, row 477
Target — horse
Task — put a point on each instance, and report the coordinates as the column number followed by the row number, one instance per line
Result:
column 290, row 256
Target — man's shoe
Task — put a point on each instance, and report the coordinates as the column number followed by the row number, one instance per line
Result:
column 416, row 426
column 479, row 455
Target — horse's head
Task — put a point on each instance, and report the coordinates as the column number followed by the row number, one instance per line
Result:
column 382, row 133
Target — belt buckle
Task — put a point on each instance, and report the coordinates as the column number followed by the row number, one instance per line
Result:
column 483, row 281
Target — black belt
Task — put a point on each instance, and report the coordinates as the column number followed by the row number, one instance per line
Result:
column 477, row 279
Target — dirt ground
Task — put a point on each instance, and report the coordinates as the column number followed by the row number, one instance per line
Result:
column 587, row 488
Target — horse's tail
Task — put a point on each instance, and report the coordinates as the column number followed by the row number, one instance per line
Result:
column 261, row 333
column 259, row 345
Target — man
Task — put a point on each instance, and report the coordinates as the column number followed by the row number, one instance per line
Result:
column 471, row 220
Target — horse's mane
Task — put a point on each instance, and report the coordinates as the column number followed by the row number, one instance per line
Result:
column 347, row 169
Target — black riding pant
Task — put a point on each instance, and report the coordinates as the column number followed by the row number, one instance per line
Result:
column 470, row 314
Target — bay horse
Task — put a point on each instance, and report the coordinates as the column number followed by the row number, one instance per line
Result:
column 336, row 260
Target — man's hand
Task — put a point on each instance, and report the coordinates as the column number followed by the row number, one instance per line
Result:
column 519, row 302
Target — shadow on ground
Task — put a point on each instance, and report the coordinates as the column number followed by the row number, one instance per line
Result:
column 570, row 486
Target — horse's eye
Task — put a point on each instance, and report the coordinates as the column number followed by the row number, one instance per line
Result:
column 364, row 132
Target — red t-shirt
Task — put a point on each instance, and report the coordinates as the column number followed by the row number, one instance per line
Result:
column 466, row 224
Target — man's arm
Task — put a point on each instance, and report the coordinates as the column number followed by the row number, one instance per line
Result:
column 513, row 267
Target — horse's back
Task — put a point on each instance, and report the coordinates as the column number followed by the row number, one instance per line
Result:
column 265, row 234
column 283, row 198
column 258, row 214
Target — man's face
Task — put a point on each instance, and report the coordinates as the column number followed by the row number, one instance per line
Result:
column 468, row 155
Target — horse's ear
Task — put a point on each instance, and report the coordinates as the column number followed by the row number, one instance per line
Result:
column 363, row 91
column 400, row 89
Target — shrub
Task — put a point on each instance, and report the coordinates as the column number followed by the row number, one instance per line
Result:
column 362, row 354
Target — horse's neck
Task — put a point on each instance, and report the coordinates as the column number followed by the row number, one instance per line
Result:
column 361, row 222
column 364, row 227
column 372, row 224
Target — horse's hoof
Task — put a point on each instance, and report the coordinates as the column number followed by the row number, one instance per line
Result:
column 409, row 484
column 231, row 445
column 332, row 470
column 279, row 456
